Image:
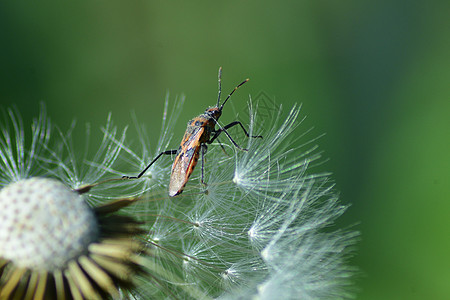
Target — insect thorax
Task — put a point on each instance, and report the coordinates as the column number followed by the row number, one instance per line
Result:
column 213, row 112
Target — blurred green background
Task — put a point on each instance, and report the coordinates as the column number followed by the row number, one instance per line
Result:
column 373, row 75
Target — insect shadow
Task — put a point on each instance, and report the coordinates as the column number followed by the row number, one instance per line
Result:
column 200, row 131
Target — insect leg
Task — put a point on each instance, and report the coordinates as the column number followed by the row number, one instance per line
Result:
column 242, row 126
column 167, row 152
column 204, row 148
column 224, row 129
column 221, row 146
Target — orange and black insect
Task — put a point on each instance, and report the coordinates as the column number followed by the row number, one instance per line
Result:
column 200, row 131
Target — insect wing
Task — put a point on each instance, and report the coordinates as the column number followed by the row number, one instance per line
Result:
column 185, row 162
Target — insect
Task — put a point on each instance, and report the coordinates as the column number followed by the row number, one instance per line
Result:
column 200, row 131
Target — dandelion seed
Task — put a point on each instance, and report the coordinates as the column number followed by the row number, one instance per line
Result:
column 16, row 161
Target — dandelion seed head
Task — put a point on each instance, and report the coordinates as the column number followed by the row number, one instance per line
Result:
column 265, row 253
column 44, row 224
column 237, row 178
column 252, row 233
column 53, row 244
column 186, row 261
column 230, row 276
column 255, row 235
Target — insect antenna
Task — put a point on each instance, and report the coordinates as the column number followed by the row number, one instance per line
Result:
column 220, row 86
column 228, row 97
